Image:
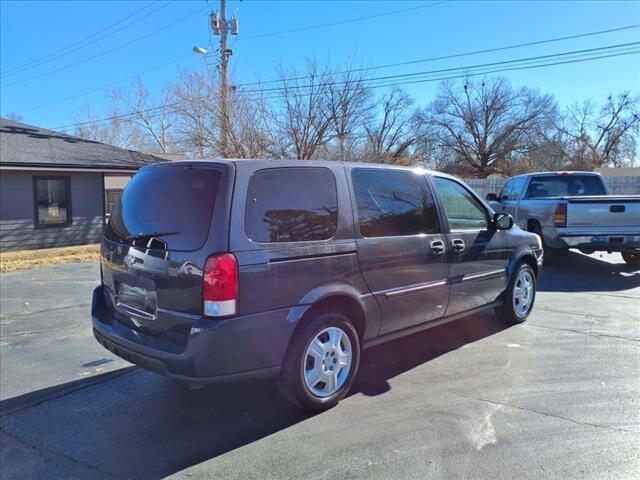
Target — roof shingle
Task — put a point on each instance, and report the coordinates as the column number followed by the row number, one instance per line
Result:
column 30, row 146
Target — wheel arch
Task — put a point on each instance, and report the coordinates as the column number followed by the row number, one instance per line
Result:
column 341, row 303
column 527, row 256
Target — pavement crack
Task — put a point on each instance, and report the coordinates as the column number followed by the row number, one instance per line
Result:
column 19, row 334
column 12, row 406
column 60, row 454
column 45, row 310
column 575, row 314
column 546, row 414
column 596, row 335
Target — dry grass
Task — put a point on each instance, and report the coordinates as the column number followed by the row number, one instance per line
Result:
column 27, row 259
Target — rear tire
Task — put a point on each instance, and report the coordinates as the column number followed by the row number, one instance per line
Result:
column 631, row 257
column 520, row 295
column 551, row 255
column 321, row 362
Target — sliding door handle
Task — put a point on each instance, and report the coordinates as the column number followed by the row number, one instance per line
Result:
column 458, row 244
column 437, row 247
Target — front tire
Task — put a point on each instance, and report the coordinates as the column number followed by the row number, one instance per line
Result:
column 321, row 362
column 520, row 295
column 631, row 257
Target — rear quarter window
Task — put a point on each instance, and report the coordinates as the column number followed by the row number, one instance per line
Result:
column 297, row 204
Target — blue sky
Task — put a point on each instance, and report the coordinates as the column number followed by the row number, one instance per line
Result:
column 30, row 30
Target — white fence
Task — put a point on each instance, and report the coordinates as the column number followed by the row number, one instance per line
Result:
column 617, row 185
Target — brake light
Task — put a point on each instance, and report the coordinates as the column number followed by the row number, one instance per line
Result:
column 220, row 286
column 560, row 215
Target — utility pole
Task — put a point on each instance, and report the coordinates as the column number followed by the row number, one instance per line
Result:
column 221, row 26
column 224, row 58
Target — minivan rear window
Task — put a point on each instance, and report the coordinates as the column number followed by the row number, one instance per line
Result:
column 293, row 204
column 169, row 203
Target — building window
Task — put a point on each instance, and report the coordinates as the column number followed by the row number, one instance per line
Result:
column 52, row 198
column 110, row 197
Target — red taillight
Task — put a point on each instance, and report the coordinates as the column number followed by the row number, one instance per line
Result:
column 220, row 286
column 560, row 215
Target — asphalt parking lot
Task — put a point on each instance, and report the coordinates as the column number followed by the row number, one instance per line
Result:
column 557, row 397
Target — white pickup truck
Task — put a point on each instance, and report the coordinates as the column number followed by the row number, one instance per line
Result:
column 573, row 210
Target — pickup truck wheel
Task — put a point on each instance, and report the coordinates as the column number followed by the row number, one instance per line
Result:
column 520, row 295
column 631, row 257
column 550, row 254
column 321, row 362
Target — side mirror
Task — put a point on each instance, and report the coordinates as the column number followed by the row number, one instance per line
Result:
column 492, row 197
column 502, row 221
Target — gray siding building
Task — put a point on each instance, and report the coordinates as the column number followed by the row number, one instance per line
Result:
column 52, row 186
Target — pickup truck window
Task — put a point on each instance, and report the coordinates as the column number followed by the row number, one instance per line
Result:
column 512, row 189
column 463, row 211
column 567, row 185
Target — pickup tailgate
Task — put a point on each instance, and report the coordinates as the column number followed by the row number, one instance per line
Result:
column 622, row 211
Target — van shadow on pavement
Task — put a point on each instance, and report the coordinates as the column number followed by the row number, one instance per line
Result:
column 575, row 272
column 135, row 424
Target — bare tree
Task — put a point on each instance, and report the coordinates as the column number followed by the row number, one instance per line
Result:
column 198, row 114
column 154, row 118
column 390, row 136
column 350, row 106
column 16, row 117
column 593, row 137
column 113, row 131
column 302, row 112
column 487, row 124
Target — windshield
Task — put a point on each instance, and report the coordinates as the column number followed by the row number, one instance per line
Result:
column 568, row 185
column 171, row 203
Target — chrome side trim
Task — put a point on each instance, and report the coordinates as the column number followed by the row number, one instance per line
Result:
column 478, row 276
column 415, row 288
column 179, row 314
column 134, row 311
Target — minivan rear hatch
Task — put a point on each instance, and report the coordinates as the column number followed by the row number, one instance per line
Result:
column 153, row 253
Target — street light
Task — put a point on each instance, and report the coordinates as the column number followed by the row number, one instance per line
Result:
column 200, row 51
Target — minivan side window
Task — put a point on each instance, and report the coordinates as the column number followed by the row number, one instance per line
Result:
column 393, row 203
column 294, row 204
column 463, row 210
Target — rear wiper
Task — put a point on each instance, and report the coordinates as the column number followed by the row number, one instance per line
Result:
column 142, row 236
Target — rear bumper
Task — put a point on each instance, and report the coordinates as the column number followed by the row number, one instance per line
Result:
column 250, row 346
column 610, row 243
column 598, row 241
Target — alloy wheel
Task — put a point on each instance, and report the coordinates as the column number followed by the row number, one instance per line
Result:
column 327, row 362
column 523, row 293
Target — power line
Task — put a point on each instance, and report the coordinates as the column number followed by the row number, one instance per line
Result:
column 457, row 55
column 111, row 84
column 171, row 108
column 378, row 67
column 481, row 69
column 342, row 22
column 56, row 53
column 120, row 47
column 404, row 75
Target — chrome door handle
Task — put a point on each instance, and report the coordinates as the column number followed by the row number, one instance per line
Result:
column 458, row 244
column 437, row 247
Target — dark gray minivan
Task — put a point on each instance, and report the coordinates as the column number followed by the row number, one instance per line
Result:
column 213, row 270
